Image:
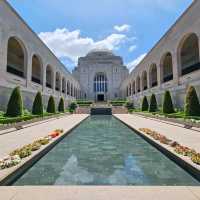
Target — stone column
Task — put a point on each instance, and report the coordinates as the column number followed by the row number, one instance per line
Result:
column 54, row 82
column 28, row 61
column 3, row 52
column 176, row 68
column 44, row 77
column 159, row 75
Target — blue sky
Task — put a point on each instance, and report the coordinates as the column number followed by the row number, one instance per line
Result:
column 128, row 27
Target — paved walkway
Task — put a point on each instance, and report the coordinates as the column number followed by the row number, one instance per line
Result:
column 99, row 193
column 186, row 137
column 11, row 141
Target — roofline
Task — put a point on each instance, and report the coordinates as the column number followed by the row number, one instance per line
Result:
column 169, row 30
column 34, row 33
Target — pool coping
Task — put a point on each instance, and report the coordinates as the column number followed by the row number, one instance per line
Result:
column 8, row 176
column 182, row 161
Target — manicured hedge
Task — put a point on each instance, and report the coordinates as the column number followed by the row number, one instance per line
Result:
column 72, row 107
column 15, row 104
column 153, row 107
column 61, row 106
column 168, row 106
column 145, row 104
column 38, row 105
column 192, row 106
column 51, row 108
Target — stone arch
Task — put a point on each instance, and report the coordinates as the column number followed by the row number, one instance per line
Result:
column 36, row 69
column 58, row 82
column 49, row 77
column 68, row 88
column 133, row 87
column 144, row 81
column 166, row 67
column 138, row 84
column 63, row 85
column 16, row 57
column 153, row 76
column 71, row 92
column 188, row 54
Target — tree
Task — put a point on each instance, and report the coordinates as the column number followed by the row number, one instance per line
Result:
column 15, row 104
column 192, row 106
column 129, row 105
column 153, row 107
column 145, row 104
column 37, row 108
column 51, row 108
column 61, row 106
column 72, row 107
column 168, row 106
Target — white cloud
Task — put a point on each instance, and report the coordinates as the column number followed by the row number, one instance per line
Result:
column 71, row 45
column 135, row 62
column 132, row 48
column 122, row 28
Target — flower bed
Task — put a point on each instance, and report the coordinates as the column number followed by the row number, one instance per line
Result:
column 16, row 156
column 179, row 149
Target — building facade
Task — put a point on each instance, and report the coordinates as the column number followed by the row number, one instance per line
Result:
column 27, row 62
column 100, row 74
column 173, row 63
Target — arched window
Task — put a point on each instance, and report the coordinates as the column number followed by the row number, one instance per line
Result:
column 167, row 68
column 100, row 83
column 138, row 84
column 153, row 76
column 68, row 88
column 16, row 57
column 36, row 70
column 49, row 77
column 130, row 89
column 144, row 81
column 133, row 87
column 58, row 81
column 189, row 54
column 71, row 93
column 63, row 85
column 127, row 91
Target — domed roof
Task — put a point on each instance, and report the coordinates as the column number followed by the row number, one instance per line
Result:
column 100, row 52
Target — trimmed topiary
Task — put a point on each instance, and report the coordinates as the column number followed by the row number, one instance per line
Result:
column 153, row 106
column 37, row 108
column 61, row 105
column 192, row 106
column 15, row 104
column 168, row 106
column 145, row 104
column 72, row 107
column 51, row 108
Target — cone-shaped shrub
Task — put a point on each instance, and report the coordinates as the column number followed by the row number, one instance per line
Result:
column 153, row 107
column 51, row 108
column 192, row 106
column 145, row 104
column 61, row 105
column 168, row 106
column 15, row 104
column 37, row 105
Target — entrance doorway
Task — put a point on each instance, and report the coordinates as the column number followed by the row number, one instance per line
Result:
column 100, row 97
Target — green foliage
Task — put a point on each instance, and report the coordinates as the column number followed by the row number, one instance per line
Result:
column 192, row 106
column 84, row 103
column 118, row 102
column 168, row 106
column 153, row 107
column 51, row 108
column 37, row 105
column 15, row 104
column 72, row 107
column 129, row 105
column 145, row 104
column 61, row 106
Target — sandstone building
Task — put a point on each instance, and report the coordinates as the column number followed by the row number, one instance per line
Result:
column 100, row 75
column 172, row 64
